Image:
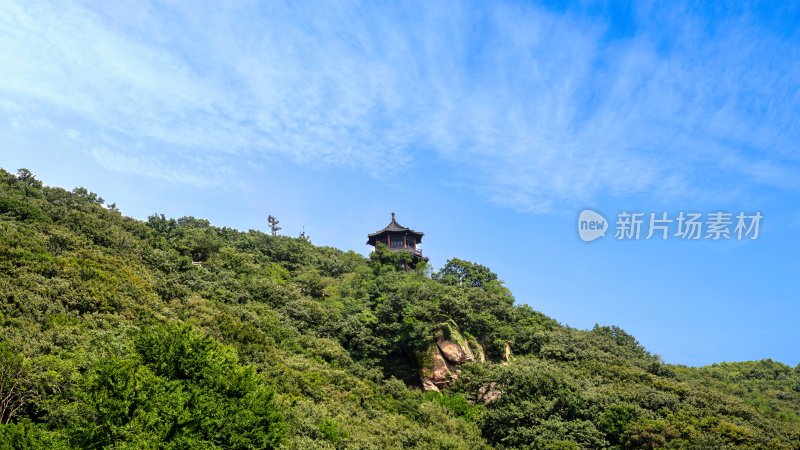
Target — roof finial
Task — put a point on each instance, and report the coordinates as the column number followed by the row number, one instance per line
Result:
column 392, row 215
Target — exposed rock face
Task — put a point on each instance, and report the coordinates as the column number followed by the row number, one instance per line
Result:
column 439, row 363
column 434, row 370
column 477, row 349
column 507, row 354
column 488, row 393
column 454, row 352
column 428, row 385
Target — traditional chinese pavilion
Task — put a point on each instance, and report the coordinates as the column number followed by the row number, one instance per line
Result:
column 398, row 238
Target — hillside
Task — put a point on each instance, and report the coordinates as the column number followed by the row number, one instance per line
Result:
column 173, row 333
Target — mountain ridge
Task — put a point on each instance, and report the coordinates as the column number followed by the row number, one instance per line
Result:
column 111, row 337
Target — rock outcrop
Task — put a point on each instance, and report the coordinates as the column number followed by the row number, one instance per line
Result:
column 488, row 393
column 435, row 372
column 477, row 349
column 507, row 354
column 453, row 344
column 439, row 363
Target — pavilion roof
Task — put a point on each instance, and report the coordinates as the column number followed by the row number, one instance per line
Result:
column 394, row 227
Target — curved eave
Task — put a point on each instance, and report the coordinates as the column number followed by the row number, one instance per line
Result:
column 406, row 231
column 372, row 238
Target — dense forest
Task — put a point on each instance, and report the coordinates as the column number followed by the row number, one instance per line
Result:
column 174, row 333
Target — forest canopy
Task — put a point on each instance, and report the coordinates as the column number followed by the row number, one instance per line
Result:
column 174, row 333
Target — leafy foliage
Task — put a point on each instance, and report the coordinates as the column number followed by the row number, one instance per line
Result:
column 173, row 333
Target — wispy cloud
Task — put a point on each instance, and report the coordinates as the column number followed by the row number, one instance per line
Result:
column 534, row 108
column 198, row 173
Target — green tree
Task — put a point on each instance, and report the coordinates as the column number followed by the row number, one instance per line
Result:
column 18, row 386
column 457, row 272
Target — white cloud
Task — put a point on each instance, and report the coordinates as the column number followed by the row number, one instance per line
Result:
column 196, row 173
column 532, row 107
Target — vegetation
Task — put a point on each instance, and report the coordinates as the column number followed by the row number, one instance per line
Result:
column 173, row 333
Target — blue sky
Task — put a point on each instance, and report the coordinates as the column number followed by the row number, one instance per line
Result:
column 487, row 125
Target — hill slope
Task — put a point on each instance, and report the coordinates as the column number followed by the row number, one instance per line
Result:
column 111, row 335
